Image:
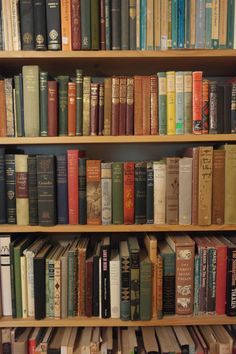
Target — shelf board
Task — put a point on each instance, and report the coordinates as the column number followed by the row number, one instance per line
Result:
column 132, row 139
column 95, row 321
column 113, row 228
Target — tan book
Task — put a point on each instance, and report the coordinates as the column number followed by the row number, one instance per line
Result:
column 107, row 106
column 218, row 187
column 83, row 344
column 150, row 24
column 95, row 341
column 20, row 345
column 185, row 191
column 22, row 193
column 149, row 339
column 72, row 341
column 223, row 23
column 230, row 185
column 9, row 107
column 224, row 340
column 159, row 170
column 215, row 23
column 173, row 340
column 172, row 190
column 56, row 340
column 184, row 338
column 210, row 339
column 24, row 286
column 86, row 104
column 7, row 25
column 163, row 339
column 57, row 283
column 15, row 22
column 66, row 24
column 107, row 340
column 164, row 24
column 157, row 24
column 64, row 281
column 65, row 340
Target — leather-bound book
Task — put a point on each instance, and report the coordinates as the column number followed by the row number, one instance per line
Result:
column 115, row 108
column 73, row 188
column 3, row 114
column 85, row 20
column 33, row 192
column 19, row 109
column 218, row 187
column 101, row 109
column 185, row 190
column 40, row 28
column 52, row 108
column 96, row 278
column 116, row 24
column 105, row 284
column 3, row 205
column 53, row 24
column 233, row 108
column 213, row 129
column 75, row 25
column 9, row 107
column 66, row 6
column 154, row 106
column 79, row 102
column 43, row 99
column 95, row 33
column 172, row 190
column 102, row 25
column 150, row 193
column 94, row 109
column 130, row 107
column 124, row 14
column 132, row 25
column 146, row 104
column 46, row 190
column 82, row 191
column 128, row 192
column 22, row 192
column 71, row 108
column 93, row 181
column 108, row 23
column 62, row 189
column 117, row 193
column 27, row 24
column 205, row 106
column 138, row 120
column 10, row 188
column 123, row 105
column 107, row 106
column 140, row 187
column 63, row 104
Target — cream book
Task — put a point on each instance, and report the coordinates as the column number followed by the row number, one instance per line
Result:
column 5, row 241
column 159, row 168
column 22, row 193
column 115, row 284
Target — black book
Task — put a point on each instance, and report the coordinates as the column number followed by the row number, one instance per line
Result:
column 82, row 191
column 233, row 108
column 116, row 24
column 227, row 108
column 33, row 190
column 40, row 28
column 27, row 24
column 220, row 109
column 140, row 181
column 96, row 274
column 46, row 190
column 39, row 282
column 62, row 189
column 3, row 204
column 150, row 193
column 53, row 24
column 10, row 188
column 105, row 261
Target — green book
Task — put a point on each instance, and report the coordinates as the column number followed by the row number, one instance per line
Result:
column 174, row 24
column 72, row 278
column 95, row 24
column 134, row 250
column 18, row 104
column 85, row 6
column 208, row 24
column 108, row 23
column 79, row 102
column 230, row 24
column 43, row 95
column 63, row 104
column 117, row 193
column 187, row 22
column 162, row 103
column 179, row 102
column 145, row 287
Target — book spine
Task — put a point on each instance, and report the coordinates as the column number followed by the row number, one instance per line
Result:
column 23, row 286
column 134, row 286
column 86, row 104
column 40, row 29
column 150, row 193
column 38, row 269
column 179, row 88
column 51, row 270
column 213, row 108
column 172, row 190
column 1, row 28
column 116, row 24
column 57, row 289
column 124, row 24
column 106, row 184
column 146, row 105
column 123, row 105
column 52, row 108
column 185, row 191
column 169, row 19
column 140, row 187
column 221, row 277
column 171, row 105
column 94, row 109
column 71, row 108
column 79, row 102
column 115, row 288
column 102, row 24
column 89, row 289
column 208, row 24
column 81, row 283
column 174, row 20
column 75, row 25
column 27, row 26
column 230, row 24
column 95, row 33
column 154, row 106
column 43, row 99
column 63, row 104
column 231, row 286
column 9, row 107
column 73, row 192
column 62, row 189
column 82, row 191
column 132, row 24
column 159, row 287
column 215, row 23
column 107, row 106
column 22, row 194
column 105, row 256
column 187, row 102
column 211, row 282
column 66, row 7
column 223, row 13
column 108, row 23
column 16, row 42
column 10, row 188
column 187, row 23
column 115, row 109
column 18, row 115
column 71, row 283
column 150, row 25
column 117, row 193
column 12, row 278
column 169, row 284
column 128, row 192
column 101, row 109
column 143, row 24
column 6, row 275
column 200, row 24
column 205, row 106
column 159, row 170
column 93, row 181
column 3, row 114
column 196, row 284
column 125, row 289
column 181, row 24
column 157, row 25
column 85, row 8
column 202, row 280
column 197, row 102
column 53, row 24
column 164, row 24
column 233, row 108
column 46, row 190
column 33, row 193
column 162, row 103
column 64, row 286
column 138, row 24
column 218, row 187
column 96, row 279
column 138, row 121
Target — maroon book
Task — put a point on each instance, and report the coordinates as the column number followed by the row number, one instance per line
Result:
column 130, row 106
column 101, row 109
column 115, row 105
column 75, row 25
column 102, row 25
column 89, row 287
column 123, row 101
column 52, row 108
column 94, row 109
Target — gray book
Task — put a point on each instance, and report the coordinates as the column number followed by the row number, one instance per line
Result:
column 185, row 190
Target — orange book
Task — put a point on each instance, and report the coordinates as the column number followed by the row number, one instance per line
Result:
column 3, row 116
column 66, row 24
column 146, row 104
column 71, row 108
column 138, row 122
column 128, row 192
column 197, row 102
column 94, row 199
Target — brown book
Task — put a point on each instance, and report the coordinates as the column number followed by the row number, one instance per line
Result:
column 184, row 248
column 75, row 25
column 138, row 121
column 3, row 115
column 66, row 24
column 71, row 108
column 172, row 190
column 130, row 106
column 107, row 106
column 52, row 108
column 230, row 185
column 218, row 187
column 123, row 104
column 94, row 108
column 146, row 104
column 101, row 109
column 154, row 108
column 55, row 342
column 93, row 179
column 20, row 345
column 102, row 25
column 205, row 185
column 115, row 107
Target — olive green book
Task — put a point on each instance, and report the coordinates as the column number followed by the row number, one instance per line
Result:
column 117, row 193
column 145, row 286
column 95, row 24
column 79, row 102
column 43, row 92
column 63, row 104
column 134, row 250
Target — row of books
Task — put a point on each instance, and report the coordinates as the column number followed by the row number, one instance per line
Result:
column 131, row 278
column 182, row 102
column 94, row 340
column 69, row 188
column 116, row 24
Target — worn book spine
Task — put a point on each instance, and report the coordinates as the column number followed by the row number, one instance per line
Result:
column 196, row 284
column 174, row 20
column 23, row 285
column 115, row 108
column 106, row 185
column 172, row 190
column 108, row 23
column 62, row 189
column 101, row 109
column 115, row 287
column 117, row 193
column 187, row 102
column 170, row 101
column 15, row 24
column 159, row 171
column 52, row 113
column 72, row 268
column 33, row 193
column 208, row 24
column 218, row 187
column 223, row 14
column 82, row 191
column 130, row 107
column 205, row 106
column 1, row 29
column 105, row 257
column 215, row 23
column 9, row 107
column 132, row 25
column 168, row 283
column 102, row 25
column 46, row 190
column 94, row 108
column 66, row 6
column 96, row 281
column 3, row 114
column 230, row 190
column 93, row 181
column 107, row 106
column 226, row 108
column 231, row 286
column 146, row 105
column 164, row 24
column 116, row 24
column 233, row 108
column 53, row 24
column 221, row 273
column 123, row 105
column 222, row 124
column 187, row 23
column 179, row 88
column 138, row 25
column 43, row 99
column 22, row 192
column 140, row 186
column 150, row 25
column 181, row 24
column 211, row 281
column 124, row 14
column 157, row 24
column 27, row 24
column 40, row 28
column 154, row 105
column 213, row 129
column 71, row 108
column 57, row 289
column 162, row 103
column 51, row 307
column 159, row 288
column 18, row 109
column 150, row 193
column 86, row 104
column 200, row 24
column 89, row 288
column 10, row 188
column 73, row 192
column 95, row 33
column 63, row 104
column 31, row 99
column 205, row 185
column 39, row 288
column 230, row 24
column 134, row 286
column 79, row 102
column 185, row 191
column 125, row 288
column 64, row 285
column 138, row 122
column 128, row 192
column 81, row 283
column 143, row 24
column 197, row 102
column 75, row 25
column 85, row 19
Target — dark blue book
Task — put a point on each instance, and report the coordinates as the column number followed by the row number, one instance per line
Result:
column 62, row 189
column 82, row 191
column 181, row 24
column 10, row 188
column 150, row 194
column 3, row 204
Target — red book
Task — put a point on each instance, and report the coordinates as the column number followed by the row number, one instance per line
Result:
column 75, row 25
column 89, row 287
column 102, row 25
column 146, row 104
column 52, row 108
column 73, row 186
column 197, row 102
column 138, row 120
column 123, row 102
column 71, row 108
column 115, row 105
column 130, row 106
column 94, row 108
column 128, row 192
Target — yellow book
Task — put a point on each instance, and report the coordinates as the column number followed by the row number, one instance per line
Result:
column 171, row 106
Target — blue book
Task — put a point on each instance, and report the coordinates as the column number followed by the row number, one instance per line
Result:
column 181, row 23
column 62, row 189
column 143, row 24
column 200, row 24
column 196, row 284
column 174, row 20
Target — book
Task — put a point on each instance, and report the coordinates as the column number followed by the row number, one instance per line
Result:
column 33, row 191
column 82, row 191
column 172, row 190
column 115, row 283
column 140, row 183
column 125, row 295
column 185, row 190
column 197, row 102
column 117, row 193
column 73, row 192
column 5, row 275
column 106, row 186
column 170, row 101
column 159, row 169
column 218, row 186
column 43, row 98
column 135, row 277
column 52, row 108
column 53, row 25
column 85, row 10
column 145, row 287
column 40, row 30
column 63, row 104
column 22, row 194
column 230, row 198
column 10, row 184
column 62, row 188
column 128, row 192
column 27, row 25
column 93, row 181
column 105, row 277
column 75, row 25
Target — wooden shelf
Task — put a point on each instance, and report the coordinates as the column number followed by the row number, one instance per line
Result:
column 95, row 321
column 113, row 228
column 57, row 140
